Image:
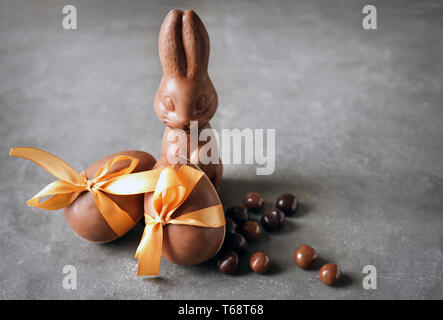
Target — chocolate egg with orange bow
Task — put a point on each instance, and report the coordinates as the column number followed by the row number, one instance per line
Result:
column 83, row 215
column 100, row 203
column 184, row 243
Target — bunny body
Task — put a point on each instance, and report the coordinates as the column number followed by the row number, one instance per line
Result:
column 214, row 171
column 186, row 92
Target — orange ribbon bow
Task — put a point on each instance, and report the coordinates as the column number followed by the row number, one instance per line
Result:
column 173, row 187
column 71, row 184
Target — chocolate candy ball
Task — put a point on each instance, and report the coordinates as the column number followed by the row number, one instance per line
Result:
column 251, row 230
column 253, row 201
column 228, row 263
column 260, row 262
column 236, row 242
column 304, row 256
column 287, row 203
column 273, row 220
column 231, row 226
column 237, row 213
column 329, row 273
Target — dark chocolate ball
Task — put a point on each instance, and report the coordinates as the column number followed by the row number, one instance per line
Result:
column 236, row 242
column 287, row 203
column 304, row 256
column 329, row 273
column 253, row 201
column 273, row 219
column 231, row 226
column 251, row 230
column 228, row 263
column 237, row 213
column 260, row 262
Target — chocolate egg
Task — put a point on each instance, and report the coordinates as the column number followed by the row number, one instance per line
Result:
column 83, row 215
column 186, row 244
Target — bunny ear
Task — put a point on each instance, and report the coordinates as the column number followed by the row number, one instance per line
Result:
column 196, row 44
column 170, row 44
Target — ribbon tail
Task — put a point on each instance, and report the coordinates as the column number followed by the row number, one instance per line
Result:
column 118, row 219
column 56, row 202
column 149, row 251
column 49, row 162
column 62, row 195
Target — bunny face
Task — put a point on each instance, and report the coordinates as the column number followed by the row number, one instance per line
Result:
column 186, row 92
column 180, row 101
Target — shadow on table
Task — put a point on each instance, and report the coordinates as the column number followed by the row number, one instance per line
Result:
column 129, row 240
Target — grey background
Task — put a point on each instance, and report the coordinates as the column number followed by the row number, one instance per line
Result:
column 359, row 126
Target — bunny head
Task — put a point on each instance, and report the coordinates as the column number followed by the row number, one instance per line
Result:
column 186, row 92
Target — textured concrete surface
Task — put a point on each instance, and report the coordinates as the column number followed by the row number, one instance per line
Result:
column 359, row 127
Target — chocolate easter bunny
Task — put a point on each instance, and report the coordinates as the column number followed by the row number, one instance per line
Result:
column 186, row 92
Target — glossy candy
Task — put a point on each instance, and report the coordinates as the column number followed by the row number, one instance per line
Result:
column 254, row 202
column 231, row 226
column 287, row 203
column 273, row 220
column 251, row 230
column 228, row 263
column 260, row 262
column 305, row 256
column 329, row 273
column 237, row 213
column 236, row 242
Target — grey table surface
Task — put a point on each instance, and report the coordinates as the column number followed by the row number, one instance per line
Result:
column 359, row 129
